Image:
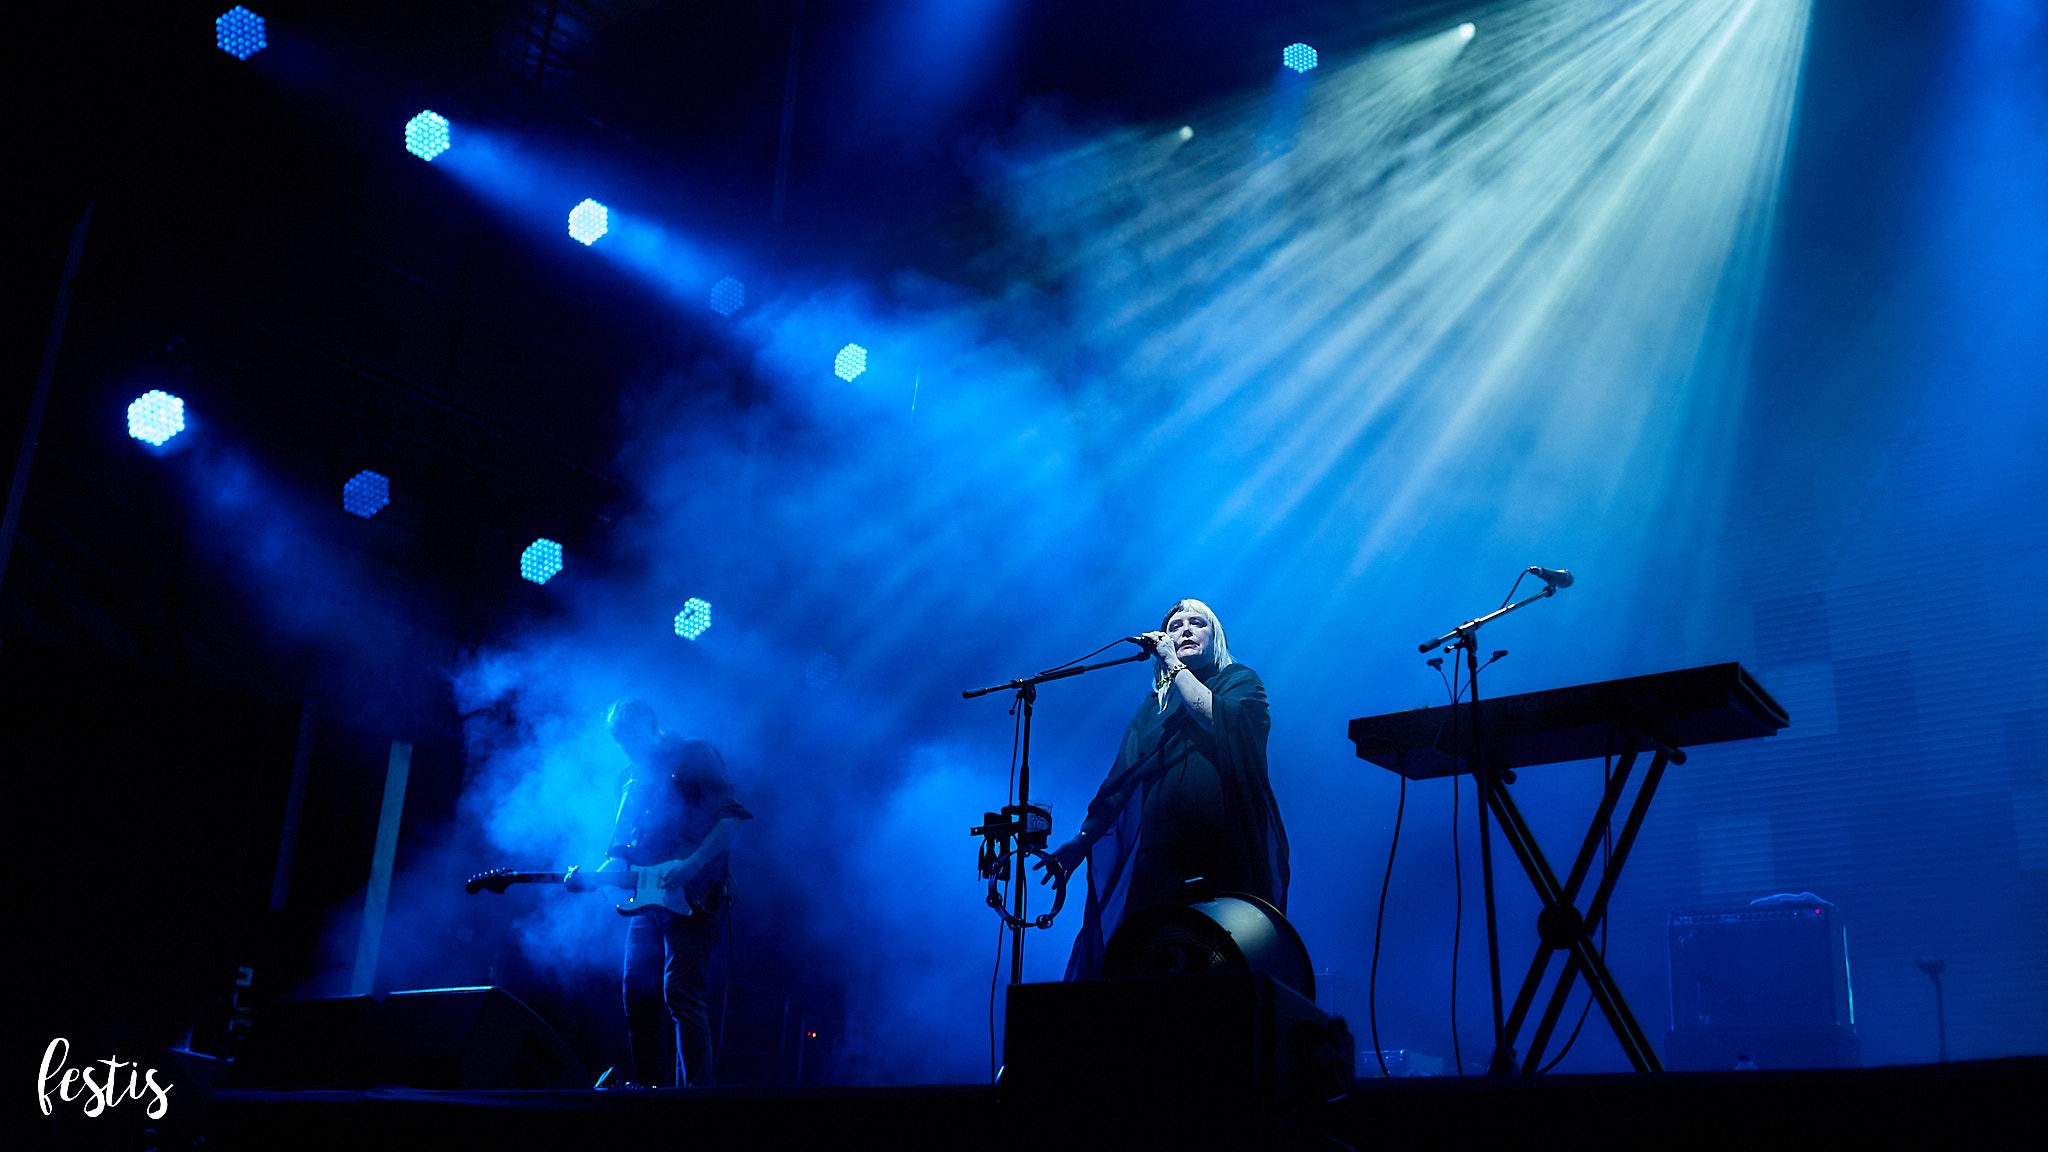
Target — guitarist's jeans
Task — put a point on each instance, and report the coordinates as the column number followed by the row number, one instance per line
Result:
column 666, row 1002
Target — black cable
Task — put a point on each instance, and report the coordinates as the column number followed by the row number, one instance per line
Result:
column 1372, row 985
column 1010, row 799
column 994, row 980
column 1078, row 659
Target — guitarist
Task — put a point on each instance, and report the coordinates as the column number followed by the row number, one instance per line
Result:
column 676, row 811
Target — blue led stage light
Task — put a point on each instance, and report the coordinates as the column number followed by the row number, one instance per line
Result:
column 239, row 33
column 588, row 221
column 728, row 296
column 541, row 560
column 694, row 618
column 426, row 135
column 851, row 361
column 822, row 670
column 155, row 417
column 366, row 494
column 1299, row 57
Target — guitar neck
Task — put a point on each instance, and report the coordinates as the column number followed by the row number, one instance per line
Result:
column 500, row 879
column 532, row 877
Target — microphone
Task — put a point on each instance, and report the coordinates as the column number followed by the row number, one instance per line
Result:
column 1147, row 645
column 1555, row 577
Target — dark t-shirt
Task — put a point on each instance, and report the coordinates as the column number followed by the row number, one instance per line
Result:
column 667, row 807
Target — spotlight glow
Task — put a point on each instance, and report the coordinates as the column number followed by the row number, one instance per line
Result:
column 1600, row 216
column 1467, row 31
column 588, row 221
column 1299, row 57
column 851, row 361
column 239, row 33
column 694, row 618
column 728, row 296
column 541, row 560
column 366, row 494
column 426, row 135
column 156, row 416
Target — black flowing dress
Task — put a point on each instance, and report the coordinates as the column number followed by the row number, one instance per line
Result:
column 1179, row 803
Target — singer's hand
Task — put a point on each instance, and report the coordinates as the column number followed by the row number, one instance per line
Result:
column 1069, row 856
column 1161, row 648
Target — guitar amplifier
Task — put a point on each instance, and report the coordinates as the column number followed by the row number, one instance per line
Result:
column 1769, row 982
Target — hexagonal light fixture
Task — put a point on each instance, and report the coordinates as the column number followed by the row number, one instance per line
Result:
column 1299, row 57
column 694, row 618
column 851, row 361
column 426, row 135
column 541, row 560
column 728, row 296
column 156, row 416
column 588, row 221
column 366, row 493
column 240, row 33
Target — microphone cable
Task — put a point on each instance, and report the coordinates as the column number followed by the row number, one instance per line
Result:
column 1372, row 985
column 1016, row 877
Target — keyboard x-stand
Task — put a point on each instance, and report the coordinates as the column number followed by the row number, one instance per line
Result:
column 1663, row 714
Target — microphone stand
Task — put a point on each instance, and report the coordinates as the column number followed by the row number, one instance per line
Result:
column 1465, row 638
column 1026, row 689
column 1933, row 969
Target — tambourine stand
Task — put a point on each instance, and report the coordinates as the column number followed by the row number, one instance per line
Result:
column 1029, row 841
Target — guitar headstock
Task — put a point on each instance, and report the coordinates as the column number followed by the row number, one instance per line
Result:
column 497, row 880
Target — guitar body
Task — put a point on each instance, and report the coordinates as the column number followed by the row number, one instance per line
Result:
column 642, row 886
column 644, row 891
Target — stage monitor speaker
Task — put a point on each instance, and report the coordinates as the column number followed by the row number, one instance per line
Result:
column 1232, row 1041
column 1236, row 932
column 443, row 1038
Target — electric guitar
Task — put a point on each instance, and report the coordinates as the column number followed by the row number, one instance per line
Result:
column 644, row 887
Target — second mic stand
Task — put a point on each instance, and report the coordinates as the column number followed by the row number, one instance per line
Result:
column 1465, row 638
column 1026, row 689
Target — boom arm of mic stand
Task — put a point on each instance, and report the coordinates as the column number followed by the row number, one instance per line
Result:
column 1471, row 626
column 1055, row 674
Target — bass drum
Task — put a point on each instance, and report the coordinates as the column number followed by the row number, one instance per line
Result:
column 1237, row 932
